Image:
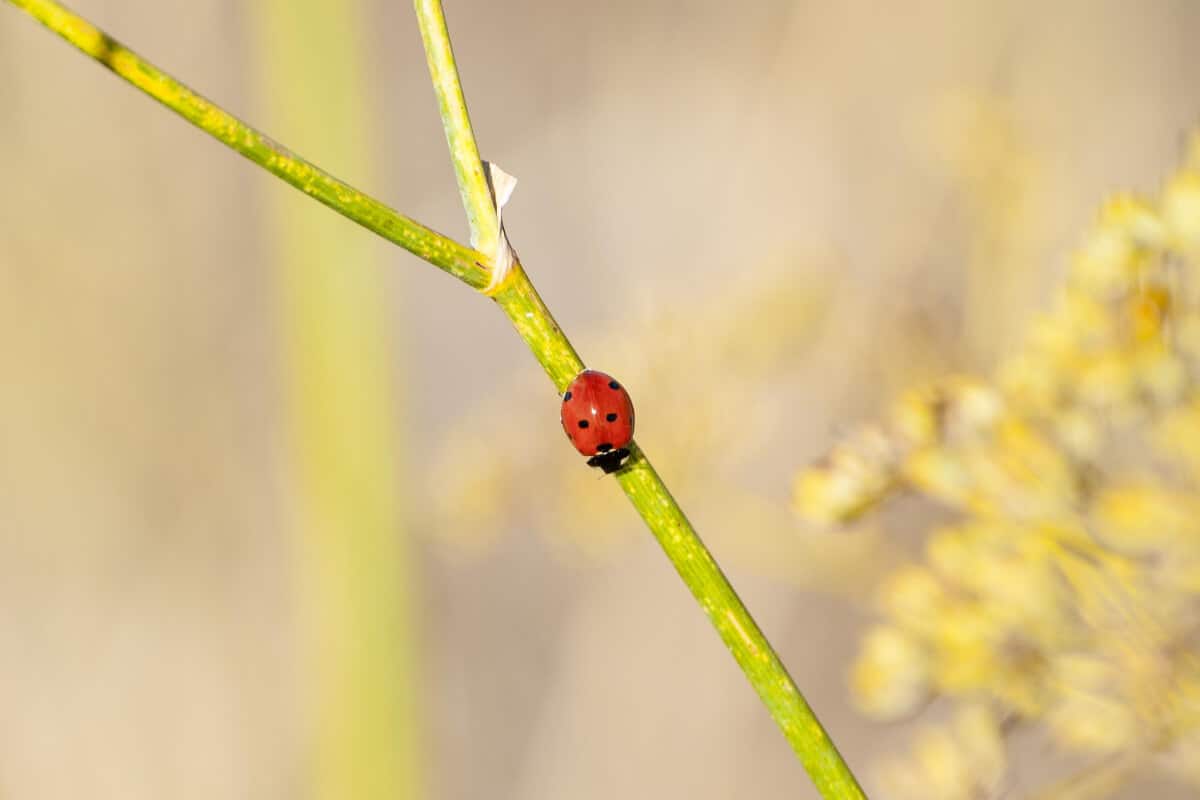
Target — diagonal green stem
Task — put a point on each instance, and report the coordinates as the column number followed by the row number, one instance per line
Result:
column 691, row 559
column 464, row 154
column 461, row 262
column 749, row 646
column 641, row 484
column 520, row 301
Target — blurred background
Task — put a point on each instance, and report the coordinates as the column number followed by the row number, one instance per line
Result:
column 285, row 512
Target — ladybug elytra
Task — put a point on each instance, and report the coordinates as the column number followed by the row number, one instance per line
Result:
column 597, row 416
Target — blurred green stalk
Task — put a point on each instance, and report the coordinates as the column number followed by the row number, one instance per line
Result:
column 519, row 300
column 355, row 565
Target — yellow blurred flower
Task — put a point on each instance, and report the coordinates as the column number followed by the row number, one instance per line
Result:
column 1177, row 435
column 941, row 474
column 1144, row 518
column 1106, row 264
column 1033, row 381
column 1148, row 310
column 1093, row 722
column 956, row 409
column 963, row 760
column 1181, row 211
column 1137, row 217
column 1079, row 432
column 913, row 597
column 857, row 474
column 978, row 735
column 890, row 678
column 1066, row 594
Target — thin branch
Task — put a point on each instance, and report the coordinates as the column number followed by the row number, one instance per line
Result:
column 641, row 484
column 468, row 169
column 520, row 301
column 461, row 262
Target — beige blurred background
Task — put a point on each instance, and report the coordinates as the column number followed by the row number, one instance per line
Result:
column 768, row 219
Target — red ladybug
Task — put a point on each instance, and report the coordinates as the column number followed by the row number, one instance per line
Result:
column 597, row 415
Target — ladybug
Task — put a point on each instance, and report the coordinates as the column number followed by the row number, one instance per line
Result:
column 597, row 415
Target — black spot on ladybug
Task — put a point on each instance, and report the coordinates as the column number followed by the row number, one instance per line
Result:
column 614, row 385
column 604, row 448
column 583, row 423
column 566, row 397
column 611, row 417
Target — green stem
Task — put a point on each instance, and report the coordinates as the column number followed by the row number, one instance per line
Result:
column 464, row 154
column 750, row 648
column 520, row 301
column 691, row 559
column 533, row 321
column 459, row 261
